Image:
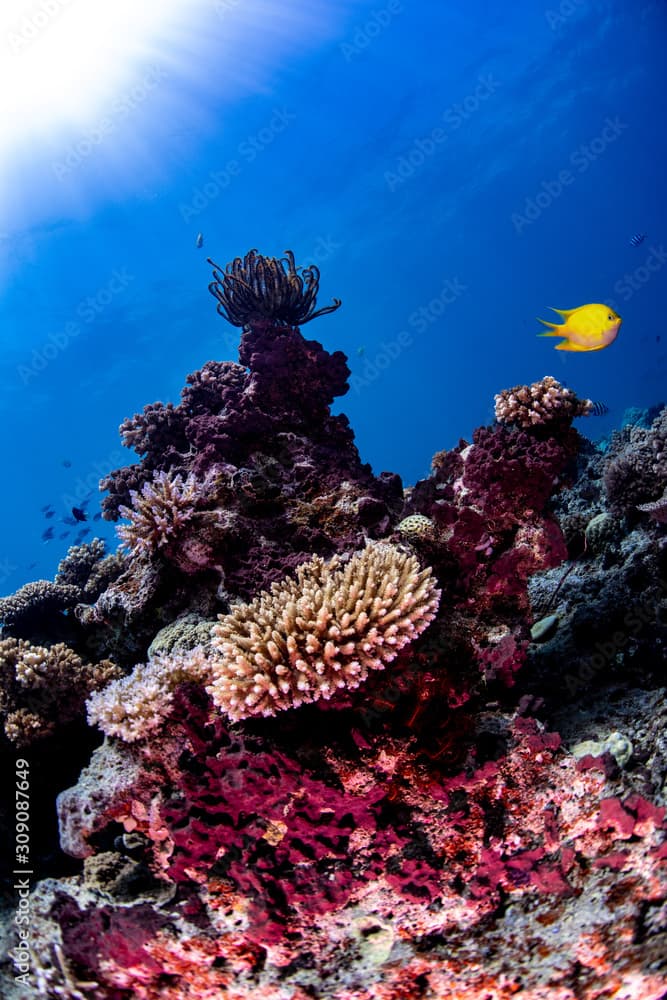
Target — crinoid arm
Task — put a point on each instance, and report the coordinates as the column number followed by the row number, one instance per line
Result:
column 271, row 289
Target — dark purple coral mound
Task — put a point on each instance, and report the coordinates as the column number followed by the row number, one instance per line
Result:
column 258, row 446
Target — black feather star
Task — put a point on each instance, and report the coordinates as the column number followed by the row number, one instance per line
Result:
column 267, row 288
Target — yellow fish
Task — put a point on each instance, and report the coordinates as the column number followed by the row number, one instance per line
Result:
column 588, row 328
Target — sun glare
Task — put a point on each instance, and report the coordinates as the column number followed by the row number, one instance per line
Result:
column 62, row 59
column 100, row 98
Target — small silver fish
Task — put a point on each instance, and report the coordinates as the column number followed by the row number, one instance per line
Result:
column 637, row 239
column 199, row 242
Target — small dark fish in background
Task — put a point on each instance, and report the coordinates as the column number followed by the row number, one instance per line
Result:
column 68, row 520
column 598, row 409
column 49, row 513
column 637, row 239
column 49, row 506
column 32, row 565
column 98, row 516
column 65, row 534
column 199, row 242
column 66, row 462
column 81, row 535
column 79, row 514
column 47, row 535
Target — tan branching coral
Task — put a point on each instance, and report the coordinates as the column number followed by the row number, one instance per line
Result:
column 267, row 288
column 308, row 636
column 42, row 687
column 543, row 402
column 321, row 631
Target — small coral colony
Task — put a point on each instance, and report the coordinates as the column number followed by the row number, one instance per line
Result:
column 327, row 699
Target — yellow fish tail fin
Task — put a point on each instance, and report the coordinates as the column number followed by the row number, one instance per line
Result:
column 554, row 329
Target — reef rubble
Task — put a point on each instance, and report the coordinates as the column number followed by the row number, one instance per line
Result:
column 359, row 742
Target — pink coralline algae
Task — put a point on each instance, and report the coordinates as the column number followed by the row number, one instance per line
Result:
column 280, row 861
column 488, row 502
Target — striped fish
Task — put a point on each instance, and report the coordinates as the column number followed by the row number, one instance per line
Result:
column 637, row 239
column 598, row 409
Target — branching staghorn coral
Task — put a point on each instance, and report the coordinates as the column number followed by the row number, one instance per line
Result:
column 543, row 402
column 262, row 288
column 161, row 510
column 308, row 636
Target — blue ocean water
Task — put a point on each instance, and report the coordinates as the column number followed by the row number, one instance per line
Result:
column 453, row 170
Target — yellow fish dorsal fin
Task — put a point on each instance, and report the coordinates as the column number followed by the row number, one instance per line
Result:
column 565, row 313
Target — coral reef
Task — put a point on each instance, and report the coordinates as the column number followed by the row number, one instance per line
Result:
column 249, row 475
column 43, row 688
column 657, row 509
column 539, row 404
column 302, row 641
column 320, row 632
column 133, row 707
column 34, row 601
column 635, row 470
column 161, row 513
column 284, row 864
column 272, row 813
